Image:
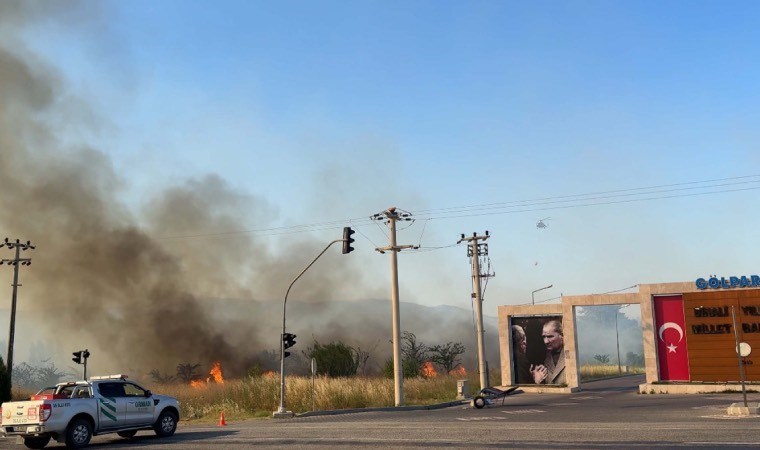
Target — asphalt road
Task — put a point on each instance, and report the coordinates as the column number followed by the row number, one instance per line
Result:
column 606, row 414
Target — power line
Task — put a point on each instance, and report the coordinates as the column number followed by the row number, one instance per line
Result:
column 318, row 226
column 611, row 197
column 365, row 236
column 566, row 197
column 540, row 301
column 619, row 290
column 603, row 293
column 431, row 248
column 583, row 205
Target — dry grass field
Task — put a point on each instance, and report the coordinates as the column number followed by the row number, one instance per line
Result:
column 260, row 396
column 595, row 371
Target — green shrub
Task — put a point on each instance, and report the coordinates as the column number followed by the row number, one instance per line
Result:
column 409, row 368
column 335, row 359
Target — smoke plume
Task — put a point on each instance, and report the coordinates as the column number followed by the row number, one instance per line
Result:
column 115, row 278
column 99, row 275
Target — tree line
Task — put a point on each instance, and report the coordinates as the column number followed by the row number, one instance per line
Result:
column 339, row 359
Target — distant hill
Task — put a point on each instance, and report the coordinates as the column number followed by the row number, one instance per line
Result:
column 366, row 324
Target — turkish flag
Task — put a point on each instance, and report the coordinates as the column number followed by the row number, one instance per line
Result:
column 671, row 338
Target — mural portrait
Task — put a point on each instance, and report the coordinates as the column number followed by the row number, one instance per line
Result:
column 538, row 345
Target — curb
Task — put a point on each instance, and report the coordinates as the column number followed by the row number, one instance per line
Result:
column 383, row 409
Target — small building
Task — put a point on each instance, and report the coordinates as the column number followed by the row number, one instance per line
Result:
column 687, row 328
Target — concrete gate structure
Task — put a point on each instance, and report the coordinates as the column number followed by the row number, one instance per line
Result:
column 709, row 340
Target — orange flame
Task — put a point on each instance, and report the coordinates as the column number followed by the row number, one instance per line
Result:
column 216, row 373
column 428, row 370
column 269, row 374
column 458, row 372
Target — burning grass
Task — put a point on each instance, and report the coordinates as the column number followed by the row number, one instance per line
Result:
column 259, row 396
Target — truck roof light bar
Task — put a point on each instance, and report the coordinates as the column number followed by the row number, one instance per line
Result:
column 110, row 377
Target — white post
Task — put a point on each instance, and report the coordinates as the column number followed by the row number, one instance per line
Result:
column 313, row 387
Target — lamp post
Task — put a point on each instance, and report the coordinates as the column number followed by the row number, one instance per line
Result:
column 532, row 294
column 617, row 340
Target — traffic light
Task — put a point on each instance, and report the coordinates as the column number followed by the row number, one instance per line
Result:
column 289, row 340
column 80, row 355
column 347, row 240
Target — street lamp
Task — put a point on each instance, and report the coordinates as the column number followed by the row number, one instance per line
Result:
column 617, row 337
column 532, row 294
column 617, row 340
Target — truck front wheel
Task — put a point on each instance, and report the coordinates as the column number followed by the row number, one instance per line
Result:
column 78, row 434
column 37, row 441
column 166, row 424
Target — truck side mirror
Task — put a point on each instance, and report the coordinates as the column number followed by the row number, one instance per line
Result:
column 148, row 393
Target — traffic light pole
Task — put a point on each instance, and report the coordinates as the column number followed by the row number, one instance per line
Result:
column 282, row 412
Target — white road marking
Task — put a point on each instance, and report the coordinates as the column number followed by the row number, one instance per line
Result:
column 727, row 417
column 711, row 407
column 468, row 419
column 722, row 444
column 564, row 404
column 347, row 440
column 524, row 411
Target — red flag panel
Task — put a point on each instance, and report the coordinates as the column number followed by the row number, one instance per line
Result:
column 671, row 338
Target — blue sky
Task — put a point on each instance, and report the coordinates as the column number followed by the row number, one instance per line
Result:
column 337, row 110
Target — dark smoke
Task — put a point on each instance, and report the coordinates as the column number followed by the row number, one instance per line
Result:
column 98, row 275
column 114, row 277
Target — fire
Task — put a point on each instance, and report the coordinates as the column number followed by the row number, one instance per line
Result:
column 216, row 373
column 269, row 374
column 458, row 372
column 215, row 376
column 428, row 370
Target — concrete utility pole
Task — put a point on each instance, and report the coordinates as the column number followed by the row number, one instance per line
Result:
column 17, row 261
column 390, row 216
column 474, row 251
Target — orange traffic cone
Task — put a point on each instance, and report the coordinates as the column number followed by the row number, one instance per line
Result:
column 222, row 422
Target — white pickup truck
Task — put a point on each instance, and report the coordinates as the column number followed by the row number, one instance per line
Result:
column 76, row 411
